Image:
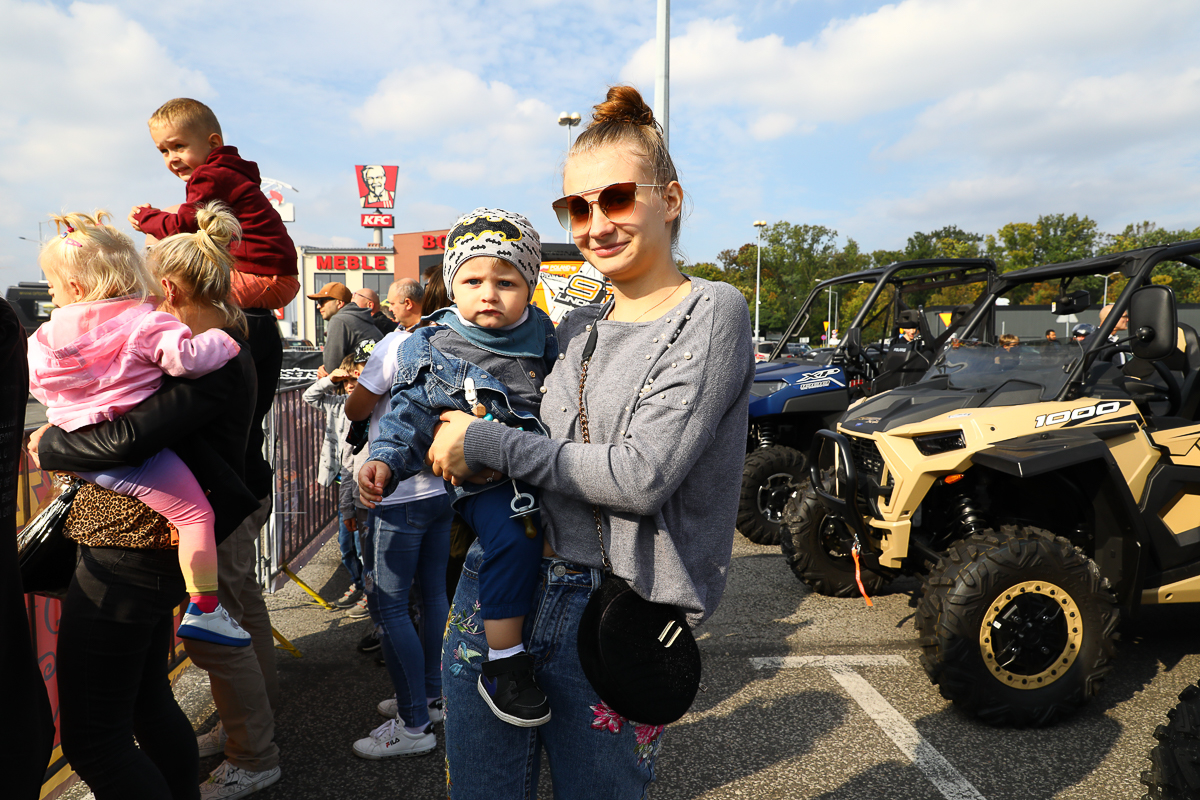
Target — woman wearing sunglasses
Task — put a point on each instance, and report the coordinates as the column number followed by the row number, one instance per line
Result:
column 665, row 395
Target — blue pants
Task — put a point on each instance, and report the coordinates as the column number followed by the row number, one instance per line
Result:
column 509, row 571
column 411, row 540
column 348, row 547
column 593, row 752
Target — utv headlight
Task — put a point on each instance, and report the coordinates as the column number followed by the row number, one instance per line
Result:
column 764, row 388
column 938, row 443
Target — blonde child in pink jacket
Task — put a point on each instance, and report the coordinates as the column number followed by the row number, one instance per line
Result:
column 104, row 351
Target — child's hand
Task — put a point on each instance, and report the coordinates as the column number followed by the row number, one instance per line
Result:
column 339, row 375
column 371, row 479
column 133, row 213
column 34, row 439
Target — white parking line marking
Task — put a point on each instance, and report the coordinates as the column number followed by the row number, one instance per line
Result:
column 940, row 772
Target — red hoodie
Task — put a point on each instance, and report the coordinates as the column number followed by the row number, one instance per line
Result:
column 265, row 248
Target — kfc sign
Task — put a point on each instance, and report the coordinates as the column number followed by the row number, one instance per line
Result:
column 352, row 262
column 377, row 221
column 376, row 185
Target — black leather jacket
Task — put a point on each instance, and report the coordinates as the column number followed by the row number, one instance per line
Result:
column 206, row 421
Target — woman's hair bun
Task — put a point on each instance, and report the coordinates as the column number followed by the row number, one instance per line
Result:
column 623, row 104
column 217, row 220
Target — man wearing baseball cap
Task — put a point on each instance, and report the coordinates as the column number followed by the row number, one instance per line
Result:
column 347, row 324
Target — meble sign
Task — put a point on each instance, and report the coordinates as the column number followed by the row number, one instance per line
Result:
column 377, row 221
column 352, row 262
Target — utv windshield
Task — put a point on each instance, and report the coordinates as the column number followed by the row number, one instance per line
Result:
column 973, row 365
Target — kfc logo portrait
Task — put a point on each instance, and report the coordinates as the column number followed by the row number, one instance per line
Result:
column 376, row 186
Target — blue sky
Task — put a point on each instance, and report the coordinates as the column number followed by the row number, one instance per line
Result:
column 875, row 120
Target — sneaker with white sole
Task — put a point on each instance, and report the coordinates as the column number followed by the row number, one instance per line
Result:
column 390, row 740
column 508, row 687
column 212, row 742
column 388, row 708
column 359, row 609
column 216, row 626
column 369, row 643
column 228, row 782
column 352, row 596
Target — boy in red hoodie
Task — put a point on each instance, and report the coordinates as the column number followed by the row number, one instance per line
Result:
column 188, row 135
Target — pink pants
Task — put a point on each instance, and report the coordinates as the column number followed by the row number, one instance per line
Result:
column 165, row 484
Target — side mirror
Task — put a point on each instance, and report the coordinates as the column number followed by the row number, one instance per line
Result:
column 1071, row 303
column 854, row 343
column 1152, row 322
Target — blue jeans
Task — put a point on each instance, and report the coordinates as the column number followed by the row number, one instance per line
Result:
column 411, row 540
column 348, row 547
column 509, row 572
column 593, row 752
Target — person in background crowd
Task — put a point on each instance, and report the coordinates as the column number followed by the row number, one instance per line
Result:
column 369, row 299
column 905, row 340
column 406, row 536
column 329, row 395
column 118, row 615
column 348, row 325
column 406, row 297
column 435, row 294
column 28, row 739
column 662, row 470
column 1051, row 336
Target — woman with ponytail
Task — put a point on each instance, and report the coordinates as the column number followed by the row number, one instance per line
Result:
column 117, row 618
column 655, row 465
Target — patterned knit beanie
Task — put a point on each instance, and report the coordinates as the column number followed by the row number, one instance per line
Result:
column 496, row 233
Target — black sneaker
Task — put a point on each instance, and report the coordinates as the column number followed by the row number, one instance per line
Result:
column 508, row 687
column 369, row 643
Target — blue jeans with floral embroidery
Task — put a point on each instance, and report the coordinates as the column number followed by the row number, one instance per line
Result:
column 593, row 752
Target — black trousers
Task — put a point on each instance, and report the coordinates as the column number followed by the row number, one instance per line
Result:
column 114, row 640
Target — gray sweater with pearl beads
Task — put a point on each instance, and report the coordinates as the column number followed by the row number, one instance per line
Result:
column 667, row 407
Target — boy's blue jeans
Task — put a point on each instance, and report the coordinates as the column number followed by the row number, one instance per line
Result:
column 509, row 571
column 411, row 540
column 348, row 547
column 592, row 751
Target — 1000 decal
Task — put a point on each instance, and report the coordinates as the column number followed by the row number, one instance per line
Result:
column 1076, row 414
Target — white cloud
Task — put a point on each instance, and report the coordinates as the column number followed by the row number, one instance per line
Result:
column 899, row 55
column 465, row 129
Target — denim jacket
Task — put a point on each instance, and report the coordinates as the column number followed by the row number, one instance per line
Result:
column 429, row 381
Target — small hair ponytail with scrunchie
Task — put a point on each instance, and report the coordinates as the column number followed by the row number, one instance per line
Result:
column 624, row 119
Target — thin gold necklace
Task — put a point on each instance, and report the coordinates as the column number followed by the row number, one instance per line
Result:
column 660, row 302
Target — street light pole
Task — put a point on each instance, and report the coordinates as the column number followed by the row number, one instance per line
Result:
column 759, row 225
column 568, row 121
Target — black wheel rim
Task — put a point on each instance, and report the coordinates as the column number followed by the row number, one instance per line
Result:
column 1031, row 634
column 774, row 494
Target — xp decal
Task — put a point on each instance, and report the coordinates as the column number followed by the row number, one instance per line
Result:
column 1078, row 414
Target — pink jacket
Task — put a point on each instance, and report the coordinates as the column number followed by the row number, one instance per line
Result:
column 94, row 361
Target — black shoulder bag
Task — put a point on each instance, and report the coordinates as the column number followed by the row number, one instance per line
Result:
column 45, row 556
column 639, row 656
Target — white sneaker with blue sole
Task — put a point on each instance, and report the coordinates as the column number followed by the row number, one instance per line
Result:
column 216, row 626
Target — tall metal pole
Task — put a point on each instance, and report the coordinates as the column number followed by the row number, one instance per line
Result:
column 662, row 81
column 758, row 225
column 757, row 282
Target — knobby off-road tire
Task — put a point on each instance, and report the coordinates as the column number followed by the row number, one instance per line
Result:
column 769, row 478
column 1174, row 772
column 817, row 555
column 1016, row 626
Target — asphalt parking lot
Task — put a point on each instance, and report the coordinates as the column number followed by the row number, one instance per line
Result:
column 807, row 697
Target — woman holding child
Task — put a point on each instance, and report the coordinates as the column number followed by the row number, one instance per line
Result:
column 118, row 615
column 666, row 393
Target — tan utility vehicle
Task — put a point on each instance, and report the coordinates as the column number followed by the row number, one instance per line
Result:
column 1041, row 491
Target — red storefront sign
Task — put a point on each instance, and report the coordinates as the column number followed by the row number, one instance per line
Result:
column 352, row 262
column 431, row 242
column 377, row 221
